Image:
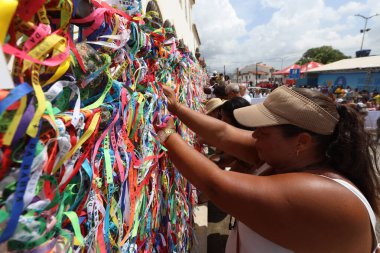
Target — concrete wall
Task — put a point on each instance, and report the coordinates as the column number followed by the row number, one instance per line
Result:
column 179, row 13
column 361, row 80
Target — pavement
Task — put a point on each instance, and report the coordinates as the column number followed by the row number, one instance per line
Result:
column 211, row 228
column 201, row 223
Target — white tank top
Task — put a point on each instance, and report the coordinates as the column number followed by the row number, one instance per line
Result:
column 251, row 242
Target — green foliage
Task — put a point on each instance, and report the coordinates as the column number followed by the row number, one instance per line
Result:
column 324, row 55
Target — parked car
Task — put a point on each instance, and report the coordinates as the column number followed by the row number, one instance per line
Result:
column 268, row 85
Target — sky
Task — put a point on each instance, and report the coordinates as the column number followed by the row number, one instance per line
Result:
column 236, row 33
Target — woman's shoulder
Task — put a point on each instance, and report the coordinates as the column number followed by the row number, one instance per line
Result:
column 326, row 205
column 322, row 196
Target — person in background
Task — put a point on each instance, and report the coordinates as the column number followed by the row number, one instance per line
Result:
column 220, row 92
column 377, row 100
column 233, row 90
column 323, row 191
column 339, row 92
column 258, row 93
column 227, row 160
column 213, row 107
column 244, row 92
column 378, row 130
column 266, row 92
column 213, row 78
column 227, row 111
column 227, row 79
column 209, row 88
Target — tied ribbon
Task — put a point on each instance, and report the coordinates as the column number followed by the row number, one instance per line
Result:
column 99, row 178
column 18, row 201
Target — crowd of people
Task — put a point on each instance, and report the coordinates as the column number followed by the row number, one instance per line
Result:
column 364, row 99
column 220, row 86
column 303, row 171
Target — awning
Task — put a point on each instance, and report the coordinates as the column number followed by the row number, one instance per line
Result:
column 286, row 70
column 310, row 65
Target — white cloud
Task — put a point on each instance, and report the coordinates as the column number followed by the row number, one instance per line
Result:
column 293, row 27
column 220, row 28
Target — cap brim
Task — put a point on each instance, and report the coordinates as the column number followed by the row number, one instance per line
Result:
column 257, row 116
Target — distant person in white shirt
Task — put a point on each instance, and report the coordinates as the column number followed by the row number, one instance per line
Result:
column 258, row 94
column 244, row 92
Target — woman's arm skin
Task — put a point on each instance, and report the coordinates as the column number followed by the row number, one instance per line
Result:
column 232, row 140
column 296, row 210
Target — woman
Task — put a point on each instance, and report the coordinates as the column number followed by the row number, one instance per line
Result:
column 224, row 159
column 228, row 107
column 213, row 107
column 320, row 162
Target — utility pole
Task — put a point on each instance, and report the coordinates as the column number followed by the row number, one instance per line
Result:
column 365, row 26
column 237, row 75
column 256, row 72
column 224, row 70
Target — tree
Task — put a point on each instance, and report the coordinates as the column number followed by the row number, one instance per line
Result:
column 324, row 55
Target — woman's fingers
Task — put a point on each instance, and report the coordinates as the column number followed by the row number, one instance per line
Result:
column 172, row 103
column 168, row 91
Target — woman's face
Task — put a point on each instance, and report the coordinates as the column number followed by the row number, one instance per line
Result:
column 215, row 113
column 273, row 148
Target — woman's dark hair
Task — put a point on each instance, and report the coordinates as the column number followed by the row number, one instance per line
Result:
column 350, row 149
column 230, row 105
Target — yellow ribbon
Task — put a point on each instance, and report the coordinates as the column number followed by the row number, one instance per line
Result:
column 52, row 41
column 41, row 102
column 8, row 8
column 8, row 137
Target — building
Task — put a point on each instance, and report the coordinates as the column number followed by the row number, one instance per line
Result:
column 178, row 14
column 361, row 73
column 254, row 73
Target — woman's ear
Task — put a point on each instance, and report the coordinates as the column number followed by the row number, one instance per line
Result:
column 305, row 140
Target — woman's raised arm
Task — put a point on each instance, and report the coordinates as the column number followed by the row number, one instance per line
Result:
column 232, row 140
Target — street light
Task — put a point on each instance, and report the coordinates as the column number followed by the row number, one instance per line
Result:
column 365, row 26
column 256, row 71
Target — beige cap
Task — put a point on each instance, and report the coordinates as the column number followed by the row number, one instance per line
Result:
column 286, row 106
column 213, row 103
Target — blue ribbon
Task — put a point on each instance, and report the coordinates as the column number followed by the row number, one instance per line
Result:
column 18, row 199
column 15, row 95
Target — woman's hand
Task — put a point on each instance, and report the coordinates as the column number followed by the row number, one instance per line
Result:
column 165, row 129
column 168, row 123
column 173, row 105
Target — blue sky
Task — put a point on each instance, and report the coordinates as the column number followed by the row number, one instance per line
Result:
column 236, row 33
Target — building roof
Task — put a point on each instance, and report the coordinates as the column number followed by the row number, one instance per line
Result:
column 350, row 64
column 252, row 69
column 254, row 72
